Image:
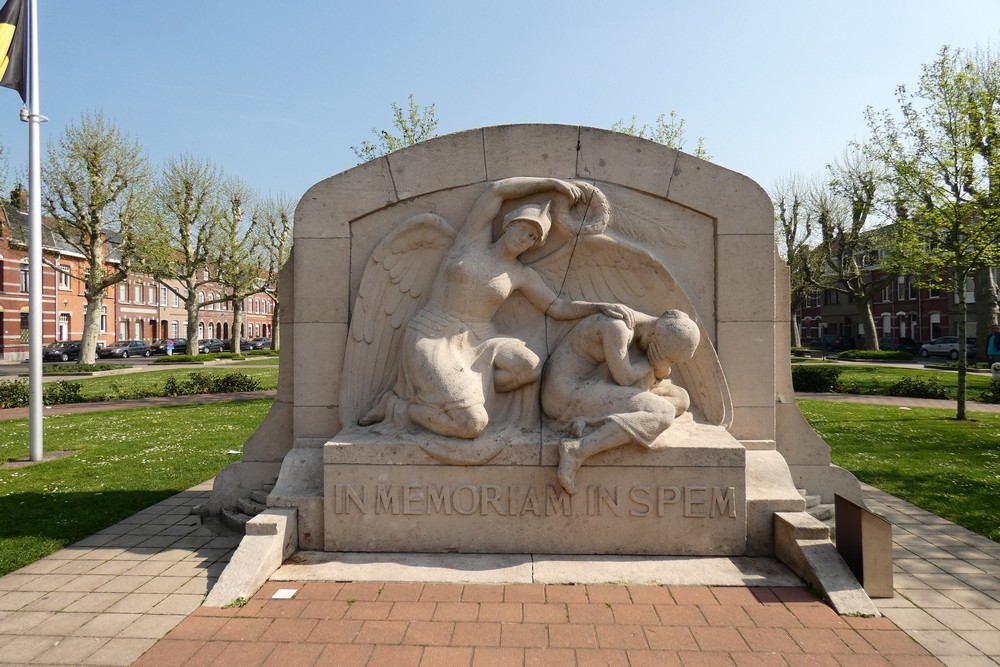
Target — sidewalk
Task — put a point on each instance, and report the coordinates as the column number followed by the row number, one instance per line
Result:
column 131, row 593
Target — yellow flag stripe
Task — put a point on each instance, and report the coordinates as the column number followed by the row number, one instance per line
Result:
column 6, row 37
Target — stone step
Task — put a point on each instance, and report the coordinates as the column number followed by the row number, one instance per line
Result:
column 812, row 501
column 234, row 519
column 260, row 496
column 821, row 512
column 250, row 507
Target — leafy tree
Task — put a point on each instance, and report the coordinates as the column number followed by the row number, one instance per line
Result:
column 663, row 131
column 848, row 248
column 238, row 263
column 415, row 124
column 273, row 219
column 185, row 233
column 793, row 225
column 948, row 225
column 96, row 189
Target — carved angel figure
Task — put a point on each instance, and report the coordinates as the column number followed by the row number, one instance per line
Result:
column 452, row 358
column 611, row 384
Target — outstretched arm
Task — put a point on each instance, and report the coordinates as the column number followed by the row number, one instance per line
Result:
column 615, row 339
column 543, row 298
column 488, row 205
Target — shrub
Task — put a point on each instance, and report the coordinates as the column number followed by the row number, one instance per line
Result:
column 180, row 359
column 911, row 387
column 202, row 383
column 991, row 394
column 876, row 355
column 59, row 393
column 816, row 378
column 261, row 353
column 14, row 394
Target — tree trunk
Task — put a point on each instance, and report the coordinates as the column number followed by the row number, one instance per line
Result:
column 795, row 333
column 868, row 320
column 275, row 325
column 191, row 305
column 91, row 327
column 963, row 313
column 235, row 336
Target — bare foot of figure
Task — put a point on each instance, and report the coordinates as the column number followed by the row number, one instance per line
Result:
column 569, row 463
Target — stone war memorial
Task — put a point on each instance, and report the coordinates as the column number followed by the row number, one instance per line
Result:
column 535, row 339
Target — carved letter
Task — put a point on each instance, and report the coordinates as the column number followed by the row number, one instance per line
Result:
column 531, row 503
column 605, row 498
column 358, row 501
column 690, row 501
column 387, row 501
column 473, row 502
column 413, row 499
column 439, row 499
column 561, row 501
column 724, row 502
column 491, row 498
column 665, row 495
column 641, row 496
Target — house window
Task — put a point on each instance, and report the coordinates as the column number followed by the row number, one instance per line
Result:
column 887, row 293
column 24, row 277
column 176, row 301
column 152, row 295
column 137, row 293
column 24, row 327
column 63, row 329
column 204, row 274
column 123, row 330
column 63, row 276
column 104, row 319
column 163, row 295
column 122, row 293
column 912, row 290
column 174, row 329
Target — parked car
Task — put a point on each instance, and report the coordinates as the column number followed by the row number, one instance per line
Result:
column 901, row 343
column 125, row 349
column 947, row 346
column 833, row 342
column 67, row 350
column 244, row 345
column 261, row 343
column 160, row 346
column 210, row 345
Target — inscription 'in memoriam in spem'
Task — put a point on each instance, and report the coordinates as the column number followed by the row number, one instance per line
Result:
column 695, row 502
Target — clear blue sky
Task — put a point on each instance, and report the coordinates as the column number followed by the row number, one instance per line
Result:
column 278, row 92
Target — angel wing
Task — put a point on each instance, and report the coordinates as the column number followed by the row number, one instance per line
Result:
column 395, row 284
column 603, row 268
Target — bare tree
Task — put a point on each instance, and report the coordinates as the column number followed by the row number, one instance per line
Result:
column 793, row 226
column 96, row 190
column 274, row 219
column 185, row 233
column 238, row 263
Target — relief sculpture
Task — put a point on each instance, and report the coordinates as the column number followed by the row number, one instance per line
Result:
column 452, row 328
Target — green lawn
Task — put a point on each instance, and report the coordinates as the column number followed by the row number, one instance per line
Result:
column 863, row 379
column 265, row 371
column 126, row 460
column 924, row 456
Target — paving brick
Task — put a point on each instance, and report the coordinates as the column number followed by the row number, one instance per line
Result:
column 413, row 611
column 705, row 659
column 819, row 640
column 483, row 593
column 590, row 613
column 564, row 593
column 106, row 625
column 589, row 657
column 120, row 651
column 549, row 657
column 686, row 595
column 772, row 616
column 892, row 641
column 65, row 623
column 289, row 629
column 71, row 650
column 150, row 626
column 769, row 660
column 739, row 596
column 651, row 658
column 527, row 635
column 245, row 654
column 196, row 627
column 319, row 590
column 488, row 656
column 443, row 656
column 608, row 593
column 294, row 655
column 680, row 615
column 400, row 592
column 426, row 633
column 545, row 613
column 651, row 595
column 242, row 629
column 320, row 608
column 456, row 611
column 726, row 616
column 349, row 655
column 335, row 631
column 769, row 639
column 364, row 610
column 524, row 593
column 719, row 639
column 635, row 614
column 670, row 638
column 500, row 611
column 169, row 652
column 572, row 636
column 441, row 593
column 381, row 632
column 366, row 591
column 620, row 636
column 476, row 634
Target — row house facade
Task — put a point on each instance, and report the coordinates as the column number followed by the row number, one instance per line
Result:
column 901, row 309
column 139, row 308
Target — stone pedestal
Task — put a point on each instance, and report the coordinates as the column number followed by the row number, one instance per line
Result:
column 687, row 496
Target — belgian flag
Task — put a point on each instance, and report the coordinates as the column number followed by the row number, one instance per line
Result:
column 13, row 28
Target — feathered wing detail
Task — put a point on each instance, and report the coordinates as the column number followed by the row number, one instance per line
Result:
column 395, row 284
column 603, row 268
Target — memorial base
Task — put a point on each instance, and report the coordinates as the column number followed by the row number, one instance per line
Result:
column 686, row 496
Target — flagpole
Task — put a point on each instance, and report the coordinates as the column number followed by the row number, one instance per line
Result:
column 34, row 244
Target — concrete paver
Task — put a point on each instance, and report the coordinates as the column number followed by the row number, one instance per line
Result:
column 130, row 594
